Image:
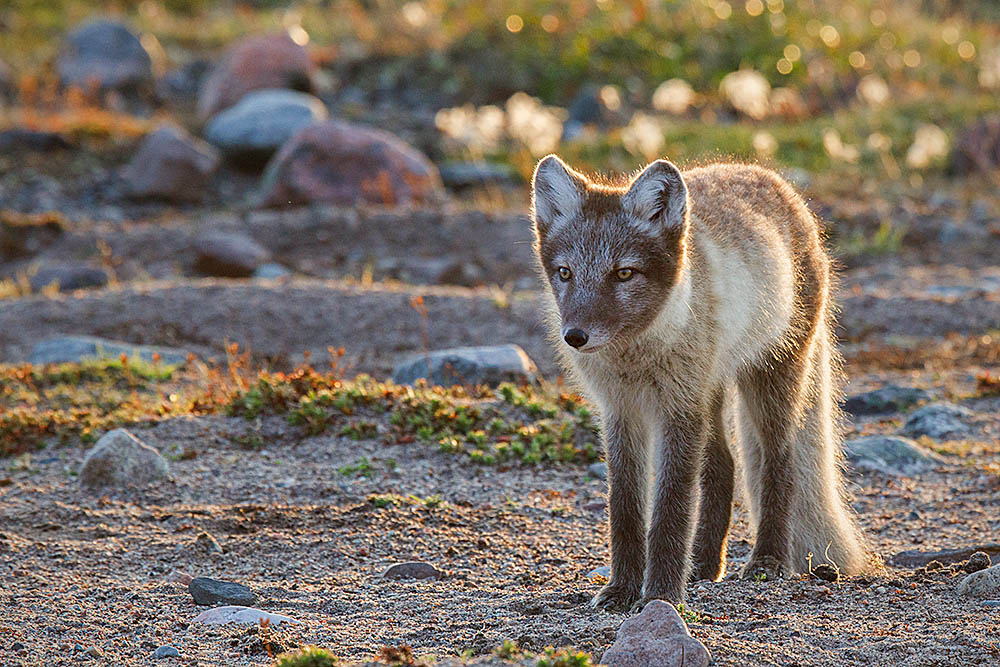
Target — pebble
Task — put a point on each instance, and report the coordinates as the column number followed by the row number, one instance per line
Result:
column 887, row 399
column 602, row 571
column 977, row 561
column 412, row 570
column 68, row 277
column 166, row 651
column 229, row 254
column 598, row 470
column 657, row 637
column 208, row 543
column 826, row 572
column 938, row 421
column 207, row 591
column 119, row 459
column 95, row 652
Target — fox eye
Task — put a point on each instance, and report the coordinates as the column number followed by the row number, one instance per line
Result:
column 564, row 273
column 624, row 274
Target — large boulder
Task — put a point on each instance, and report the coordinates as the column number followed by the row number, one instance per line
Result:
column 120, row 459
column 257, row 126
column 105, row 53
column 335, row 162
column 172, row 165
column 657, row 637
column 489, row 365
column 255, row 63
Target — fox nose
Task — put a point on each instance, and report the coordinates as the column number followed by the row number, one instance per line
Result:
column 576, row 337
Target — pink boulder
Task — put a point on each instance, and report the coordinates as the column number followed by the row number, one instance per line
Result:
column 255, row 63
column 334, row 162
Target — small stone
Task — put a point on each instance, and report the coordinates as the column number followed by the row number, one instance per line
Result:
column 939, row 421
column 243, row 615
column 826, row 572
column 981, row 584
column 602, row 572
column 73, row 349
column 657, row 637
column 890, row 454
column 120, row 459
column 598, row 470
column 335, row 162
column 977, row 561
column 459, row 175
column 207, row 542
column 105, row 52
column 171, row 165
column 166, row 651
column 255, row 63
column 68, row 277
column 991, row 603
column 206, row 591
column 271, row 271
column 254, row 128
column 412, row 570
column 933, row 565
column 485, row 365
column 888, row 399
column 95, row 652
column 228, row 254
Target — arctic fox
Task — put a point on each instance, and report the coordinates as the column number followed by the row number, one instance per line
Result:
column 677, row 300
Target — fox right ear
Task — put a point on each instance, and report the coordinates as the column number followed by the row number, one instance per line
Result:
column 556, row 193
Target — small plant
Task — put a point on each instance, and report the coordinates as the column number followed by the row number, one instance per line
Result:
column 381, row 500
column 400, row 656
column 362, row 467
column 307, row 656
column 361, row 429
column 689, row 615
column 507, row 650
column 564, row 657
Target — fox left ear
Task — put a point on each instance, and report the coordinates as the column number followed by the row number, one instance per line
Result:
column 658, row 196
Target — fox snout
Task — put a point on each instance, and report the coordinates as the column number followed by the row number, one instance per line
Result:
column 575, row 337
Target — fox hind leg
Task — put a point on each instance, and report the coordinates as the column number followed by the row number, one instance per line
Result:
column 715, row 509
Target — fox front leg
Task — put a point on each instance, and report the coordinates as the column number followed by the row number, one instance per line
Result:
column 626, row 454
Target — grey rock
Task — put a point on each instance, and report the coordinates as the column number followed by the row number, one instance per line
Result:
column 180, row 86
column 938, row 421
column 977, row 561
column 602, row 571
column 657, row 637
column 598, row 470
column 888, row 399
column 208, row 543
column 981, row 584
column 890, row 454
column 32, row 140
column 257, row 126
column 120, row 459
column 206, row 591
column 412, row 570
column 271, row 271
column 431, row 271
column 489, row 365
column 69, row 277
column 70, row 349
column 992, row 604
column 105, row 52
column 166, row 651
column 228, row 254
column 458, row 175
column 170, row 164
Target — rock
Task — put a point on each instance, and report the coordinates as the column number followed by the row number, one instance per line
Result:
column 255, row 127
column 657, row 637
column 241, row 614
column 206, row 591
column 938, row 421
column 229, row 254
column 341, row 163
column 180, row 86
column 105, row 53
column 412, row 570
column 977, row 147
column 120, row 459
column 170, row 164
column 431, row 271
column 95, row 652
column 673, row 96
column 32, row 140
column 981, row 584
column 890, row 454
column 71, row 349
column 207, row 542
column 888, row 399
column 598, row 470
column 489, row 365
column 255, row 63
column 271, row 271
column 826, row 572
column 460, row 175
column 166, row 651
column 602, row 572
column 69, row 277
column 977, row 561
column 747, row 91
column 915, row 558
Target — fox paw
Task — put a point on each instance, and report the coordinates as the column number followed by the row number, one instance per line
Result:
column 614, row 597
column 763, row 568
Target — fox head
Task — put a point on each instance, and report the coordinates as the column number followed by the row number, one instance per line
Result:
column 610, row 254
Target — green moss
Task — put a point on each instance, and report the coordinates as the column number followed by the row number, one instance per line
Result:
column 309, row 656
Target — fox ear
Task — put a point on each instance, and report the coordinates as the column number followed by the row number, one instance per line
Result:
column 556, row 193
column 658, row 196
